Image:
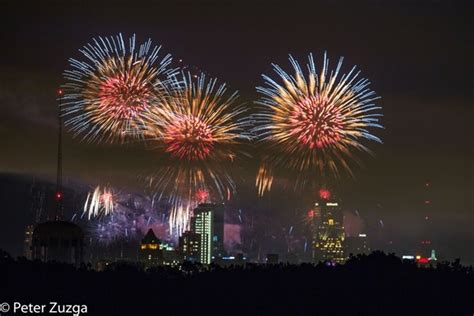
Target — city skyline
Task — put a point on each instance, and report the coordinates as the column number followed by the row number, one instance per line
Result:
column 192, row 157
column 416, row 102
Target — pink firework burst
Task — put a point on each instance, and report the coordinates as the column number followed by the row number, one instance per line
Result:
column 189, row 138
column 124, row 97
column 202, row 195
column 316, row 122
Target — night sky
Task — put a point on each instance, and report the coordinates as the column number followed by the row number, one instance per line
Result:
column 417, row 54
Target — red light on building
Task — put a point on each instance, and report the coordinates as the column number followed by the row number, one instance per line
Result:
column 60, row 91
column 324, row 194
column 423, row 260
column 311, row 213
column 58, row 196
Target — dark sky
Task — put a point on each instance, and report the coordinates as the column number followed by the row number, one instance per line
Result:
column 417, row 54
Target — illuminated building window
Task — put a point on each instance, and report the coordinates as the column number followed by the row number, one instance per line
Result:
column 331, row 221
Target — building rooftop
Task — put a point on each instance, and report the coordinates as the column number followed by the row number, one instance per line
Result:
column 150, row 238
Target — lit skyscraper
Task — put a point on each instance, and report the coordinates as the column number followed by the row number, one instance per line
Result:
column 217, row 227
column 201, row 224
column 328, row 238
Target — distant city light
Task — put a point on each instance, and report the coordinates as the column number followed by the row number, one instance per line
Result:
column 59, row 195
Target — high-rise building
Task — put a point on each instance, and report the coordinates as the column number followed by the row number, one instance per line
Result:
column 329, row 235
column 356, row 245
column 217, row 227
column 202, row 224
column 190, row 246
column 28, row 243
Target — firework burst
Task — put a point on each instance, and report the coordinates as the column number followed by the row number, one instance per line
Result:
column 108, row 92
column 99, row 202
column 202, row 195
column 313, row 124
column 198, row 131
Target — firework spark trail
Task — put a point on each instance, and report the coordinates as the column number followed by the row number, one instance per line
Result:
column 179, row 219
column 198, row 131
column 264, row 180
column 312, row 124
column 107, row 93
column 100, row 202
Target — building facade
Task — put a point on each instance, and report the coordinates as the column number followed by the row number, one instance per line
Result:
column 217, row 210
column 329, row 235
column 190, row 246
column 202, row 225
column 150, row 249
column 356, row 245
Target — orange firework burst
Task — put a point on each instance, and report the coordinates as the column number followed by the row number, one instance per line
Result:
column 198, row 131
column 107, row 95
column 312, row 124
column 188, row 137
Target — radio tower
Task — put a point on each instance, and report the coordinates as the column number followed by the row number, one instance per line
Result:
column 58, row 216
column 57, row 239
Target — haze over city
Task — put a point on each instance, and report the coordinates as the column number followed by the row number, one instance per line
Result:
column 289, row 144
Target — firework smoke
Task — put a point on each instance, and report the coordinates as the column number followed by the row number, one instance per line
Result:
column 131, row 219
